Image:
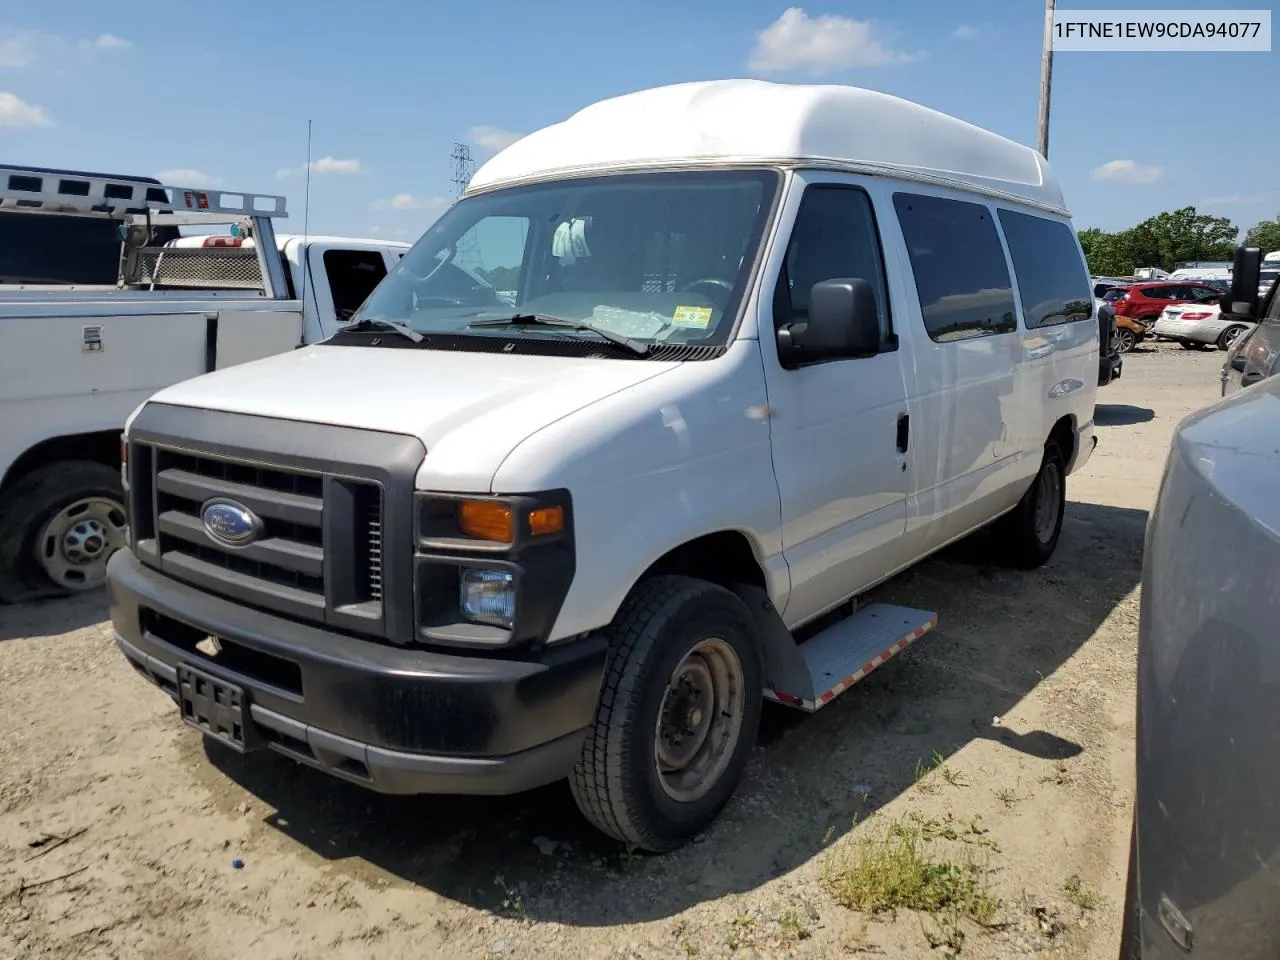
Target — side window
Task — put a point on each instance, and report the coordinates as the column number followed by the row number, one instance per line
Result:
column 352, row 276
column 835, row 237
column 1158, row 293
column 962, row 278
column 1051, row 279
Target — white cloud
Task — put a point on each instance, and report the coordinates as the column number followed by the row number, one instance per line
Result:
column 410, row 201
column 964, row 32
column 109, row 41
column 493, row 138
column 19, row 50
column 1232, row 200
column 188, row 177
column 16, row 113
column 820, row 45
column 1127, row 171
column 325, row 165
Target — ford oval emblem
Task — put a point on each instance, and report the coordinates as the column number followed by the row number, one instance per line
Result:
column 230, row 523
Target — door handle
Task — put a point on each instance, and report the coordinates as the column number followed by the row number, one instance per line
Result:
column 904, row 432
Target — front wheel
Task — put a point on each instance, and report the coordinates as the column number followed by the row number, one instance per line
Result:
column 1125, row 340
column 677, row 715
column 58, row 527
column 1029, row 533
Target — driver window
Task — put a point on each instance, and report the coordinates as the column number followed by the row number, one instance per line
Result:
column 835, row 237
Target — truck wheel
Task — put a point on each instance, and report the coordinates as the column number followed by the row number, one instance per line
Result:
column 1029, row 533
column 58, row 526
column 677, row 716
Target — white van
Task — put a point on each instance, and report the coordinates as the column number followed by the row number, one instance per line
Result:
column 768, row 345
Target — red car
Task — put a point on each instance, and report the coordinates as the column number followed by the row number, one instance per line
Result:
column 1143, row 302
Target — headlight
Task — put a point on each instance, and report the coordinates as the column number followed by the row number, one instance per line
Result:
column 491, row 571
column 488, row 596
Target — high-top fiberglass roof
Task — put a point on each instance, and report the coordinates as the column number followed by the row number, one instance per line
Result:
column 733, row 121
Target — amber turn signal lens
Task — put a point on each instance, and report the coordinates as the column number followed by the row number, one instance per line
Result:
column 124, row 450
column 485, row 520
column 546, row 520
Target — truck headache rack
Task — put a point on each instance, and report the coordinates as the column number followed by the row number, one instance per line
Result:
column 227, row 268
column 70, row 192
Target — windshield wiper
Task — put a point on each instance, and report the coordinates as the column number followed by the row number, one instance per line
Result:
column 637, row 347
column 372, row 323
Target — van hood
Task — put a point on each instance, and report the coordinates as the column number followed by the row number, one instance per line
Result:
column 470, row 410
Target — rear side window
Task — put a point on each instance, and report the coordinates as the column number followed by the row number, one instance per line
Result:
column 352, row 276
column 962, row 278
column 1052, row 283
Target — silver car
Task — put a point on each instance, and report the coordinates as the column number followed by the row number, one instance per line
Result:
column 1204, row 873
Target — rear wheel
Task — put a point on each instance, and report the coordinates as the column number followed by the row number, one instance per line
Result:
column 1126, row 340
column 677, row 716
column 1229, row 336
column 1029, row 533
column 58, row 527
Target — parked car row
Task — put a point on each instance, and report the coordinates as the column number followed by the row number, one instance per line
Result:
column 1183, row 311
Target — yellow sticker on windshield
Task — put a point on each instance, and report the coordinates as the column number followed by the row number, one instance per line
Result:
column 699, row 318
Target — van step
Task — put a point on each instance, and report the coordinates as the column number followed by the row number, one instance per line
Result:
column 843, row 654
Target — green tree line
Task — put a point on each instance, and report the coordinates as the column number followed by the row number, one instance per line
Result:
column 1169, row 238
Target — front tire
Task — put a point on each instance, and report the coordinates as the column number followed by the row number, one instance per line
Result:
column 1029, row 533
column 58, row 527
column 1125, row 340
column 677, row 717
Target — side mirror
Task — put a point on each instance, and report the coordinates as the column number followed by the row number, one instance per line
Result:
column 843, row 322
column 1246, row 273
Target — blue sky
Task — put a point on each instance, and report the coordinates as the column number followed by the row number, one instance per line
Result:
column 222, row 92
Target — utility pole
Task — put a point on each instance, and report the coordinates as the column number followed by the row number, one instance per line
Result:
column 1046, row 78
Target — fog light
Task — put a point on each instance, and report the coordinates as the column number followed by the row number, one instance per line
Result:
column 488, row 596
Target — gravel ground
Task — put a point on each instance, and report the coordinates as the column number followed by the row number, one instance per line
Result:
column 1006, row 735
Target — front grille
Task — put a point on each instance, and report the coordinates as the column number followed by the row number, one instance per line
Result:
column 318, row 550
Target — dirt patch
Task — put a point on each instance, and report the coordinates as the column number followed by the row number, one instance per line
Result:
column 1000, row 746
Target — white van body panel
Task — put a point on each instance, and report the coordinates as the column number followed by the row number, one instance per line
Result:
column 657, row 465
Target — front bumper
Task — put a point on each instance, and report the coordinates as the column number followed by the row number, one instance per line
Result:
column 393, row 719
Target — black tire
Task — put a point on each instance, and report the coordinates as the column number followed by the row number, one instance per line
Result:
column 1131, row 929
column 1126, row 340
column 1022, row 541
column 1229, row 336
column 616, row 783
column 25, row 509
column 1191, row 345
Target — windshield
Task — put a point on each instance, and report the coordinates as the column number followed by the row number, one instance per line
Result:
column 654, row 257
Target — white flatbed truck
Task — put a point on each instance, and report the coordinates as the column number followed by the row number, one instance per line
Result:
column 75, row 359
